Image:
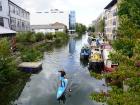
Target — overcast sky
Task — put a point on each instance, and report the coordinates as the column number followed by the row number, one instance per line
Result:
column 86, row 10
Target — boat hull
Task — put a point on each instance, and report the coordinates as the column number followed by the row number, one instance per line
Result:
column 96, row 67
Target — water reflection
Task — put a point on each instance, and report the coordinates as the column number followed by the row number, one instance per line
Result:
column 62, row 99
column 72, row 45
column 84, row 63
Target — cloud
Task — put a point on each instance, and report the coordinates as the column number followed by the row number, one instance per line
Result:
column 86, row 10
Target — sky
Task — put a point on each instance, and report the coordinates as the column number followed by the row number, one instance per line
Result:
column 86, row 10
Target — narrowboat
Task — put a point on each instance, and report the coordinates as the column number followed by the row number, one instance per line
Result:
column 96, row 63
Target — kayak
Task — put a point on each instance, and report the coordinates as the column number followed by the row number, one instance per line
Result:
column 61, row 89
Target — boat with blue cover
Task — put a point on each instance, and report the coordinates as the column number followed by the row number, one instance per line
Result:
column 85, row 53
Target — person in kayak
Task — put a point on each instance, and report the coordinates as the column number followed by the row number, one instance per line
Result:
column 63, row 74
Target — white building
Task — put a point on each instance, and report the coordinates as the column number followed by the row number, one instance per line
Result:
column 50, row 17
column 51, row 28
column 111, row 20
column 4, row 14
column 14, row 17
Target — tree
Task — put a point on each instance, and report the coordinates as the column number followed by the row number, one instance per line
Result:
column 80, row 28
column 100, row 26
column 91, row 28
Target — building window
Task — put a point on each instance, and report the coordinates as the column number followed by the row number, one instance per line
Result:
column 23, row 25
column 114, row 22
column 1, row 21
column 18, row 23
column 0, row 6
column 13, row 23
column 114, row 30
column 115, row 12
column 13, row 9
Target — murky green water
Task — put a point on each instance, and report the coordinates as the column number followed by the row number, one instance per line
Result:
column 41, row 89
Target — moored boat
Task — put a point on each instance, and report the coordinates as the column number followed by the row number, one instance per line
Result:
column 96, row 63
column 85, row 53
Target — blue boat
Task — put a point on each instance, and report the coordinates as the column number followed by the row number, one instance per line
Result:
column 61, row 89
column 85, row 53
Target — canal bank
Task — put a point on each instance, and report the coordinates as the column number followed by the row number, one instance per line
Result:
column 42, row 87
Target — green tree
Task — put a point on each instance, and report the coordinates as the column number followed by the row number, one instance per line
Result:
column 80, row 28
column 100, row 26
column 91, row 28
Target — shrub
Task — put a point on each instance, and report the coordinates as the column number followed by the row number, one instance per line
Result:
column 49, row 36
column 31, row 55
column 39, row 36
column 7, row 63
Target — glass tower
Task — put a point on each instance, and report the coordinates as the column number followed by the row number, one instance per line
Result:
column 72, row 21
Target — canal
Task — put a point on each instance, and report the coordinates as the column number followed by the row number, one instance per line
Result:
column 42, row 87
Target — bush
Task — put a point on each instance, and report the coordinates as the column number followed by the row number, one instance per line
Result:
column 29, row 37
column 7, row 63
column 49, row 36
column 124, row 45
column 61, row 35
column 31, row 55
column 39, row 36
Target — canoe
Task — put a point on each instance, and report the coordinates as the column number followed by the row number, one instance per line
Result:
column 61, row 89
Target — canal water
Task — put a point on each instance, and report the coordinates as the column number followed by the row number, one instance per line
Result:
column 42, row 87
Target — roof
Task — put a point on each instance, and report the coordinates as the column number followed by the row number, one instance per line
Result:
column 50, row 26
column 6, row 31
column 112, row 3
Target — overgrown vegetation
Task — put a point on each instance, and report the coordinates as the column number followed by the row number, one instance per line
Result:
column 10, row 77
column 31, row 44
column 31, row 55
column 127, row 54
